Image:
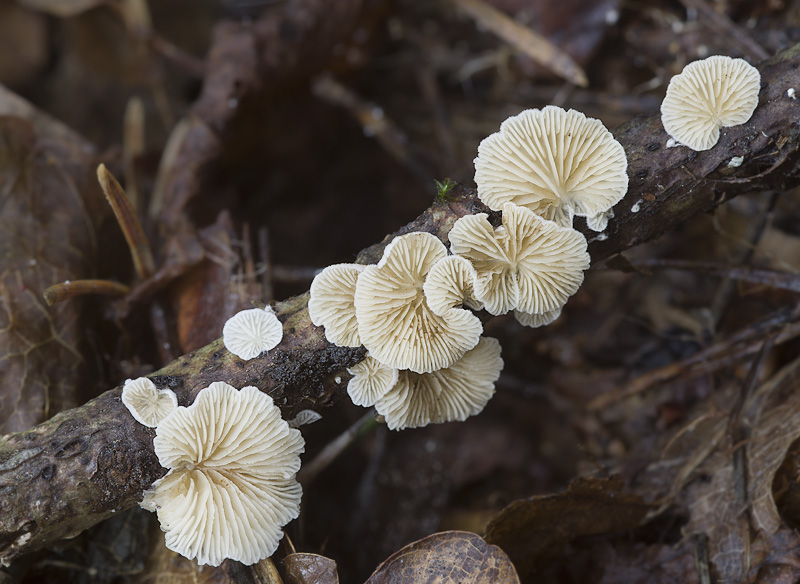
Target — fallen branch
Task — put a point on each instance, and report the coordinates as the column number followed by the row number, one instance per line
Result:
column 88, row 463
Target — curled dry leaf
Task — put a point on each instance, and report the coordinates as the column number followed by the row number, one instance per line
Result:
column 449, row 557
column 310, row 569
column 533, row 531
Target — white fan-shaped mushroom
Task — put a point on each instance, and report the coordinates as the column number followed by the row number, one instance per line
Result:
column 529, row 263
column 371, row 380
column 451, row 284
column 249, row 333
column 331, row 303
column 231, row 485
column 554, row 162
column 447, row 395
column 717, row 92
column 396, row 324
column 147, row 404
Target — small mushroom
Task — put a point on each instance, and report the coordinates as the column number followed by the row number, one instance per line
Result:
column 249, row 333
column 396, row 324
column 231, row 485
column 371, row 380
column 331, row 303
column 528, row 263
column 447, row 395
column 554, row 162
column 147, row 404
column 717, row 92
column 450, row 285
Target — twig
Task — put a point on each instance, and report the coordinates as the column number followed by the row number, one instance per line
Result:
column 75, row 288
column 132, row 147
column 724, row 26
column 525, row 40
column 128, row 222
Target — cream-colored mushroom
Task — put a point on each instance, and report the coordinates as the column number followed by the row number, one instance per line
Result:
column 331, row 303
column 146, row 403
column 447, row 395
column 371, row 380
column 396, row 324
column 554, row 162
column 529, row 263
column 231, row 485
column 450, row 285
column 249, row 333
column 717, row 92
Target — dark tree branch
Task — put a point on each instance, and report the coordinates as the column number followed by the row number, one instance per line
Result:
column 88, row 463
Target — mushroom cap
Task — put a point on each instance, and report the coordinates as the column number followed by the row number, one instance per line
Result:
column 231, row 486
column 249, row 333
column 396, row 324
column 147, row 404
column 556, row 163
column 371, row 380
column 447, row 395
column 451, row 284
column 331, row 303
column 599, row 222
column 717, row 92
column 528, row 263
column 537, row 320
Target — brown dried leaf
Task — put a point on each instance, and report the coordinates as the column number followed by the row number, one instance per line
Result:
column 449, row 557
column 534, row 531
column 46, row 236
column 310, row 569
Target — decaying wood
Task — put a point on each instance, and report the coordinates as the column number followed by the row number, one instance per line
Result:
column 88, row 463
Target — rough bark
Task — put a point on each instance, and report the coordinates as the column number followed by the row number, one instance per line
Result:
column 85, row 464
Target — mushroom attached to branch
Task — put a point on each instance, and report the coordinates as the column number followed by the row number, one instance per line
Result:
column 527, row 264
column 331, row 303
column 396, row 324
column 231, row 485
column 371, row 381
column 554, row 162
column 249, row 333
column 717, row 92
column 146, row 403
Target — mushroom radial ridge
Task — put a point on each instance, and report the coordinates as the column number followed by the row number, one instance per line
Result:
column 529, row 263
column 248, row 333
column 451, row 284
column 448, row 395
column 556, row 163
column 331, row 303
column 147, row 404
column 396, row 324
column 713, row 93
column 231, row 485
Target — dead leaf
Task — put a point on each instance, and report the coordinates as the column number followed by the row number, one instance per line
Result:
column 449, row 557
column 310, row 569
column 534, row 531
column 46, row 236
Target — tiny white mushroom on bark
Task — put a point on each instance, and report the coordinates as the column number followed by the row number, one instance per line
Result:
column 396, row 324
column 331, row 303
column 531, row 264
column 537, row 320
column 717, row 92
column 147, row 404
column 371, row 380
column 554, row 162
column 249, row 333
column 231, row 485
column 448, row 395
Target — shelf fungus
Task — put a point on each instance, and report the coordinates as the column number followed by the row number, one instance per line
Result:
column 371, row 381
column 447, row 395
column 396, row 324
column 556, row 163
column 146, row 403
column 331, row 303
column 527, row 264
column 231, row 485
column 717, row 92
column 249, row 333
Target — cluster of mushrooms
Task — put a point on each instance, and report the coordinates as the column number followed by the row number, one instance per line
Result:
column 232, row 459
